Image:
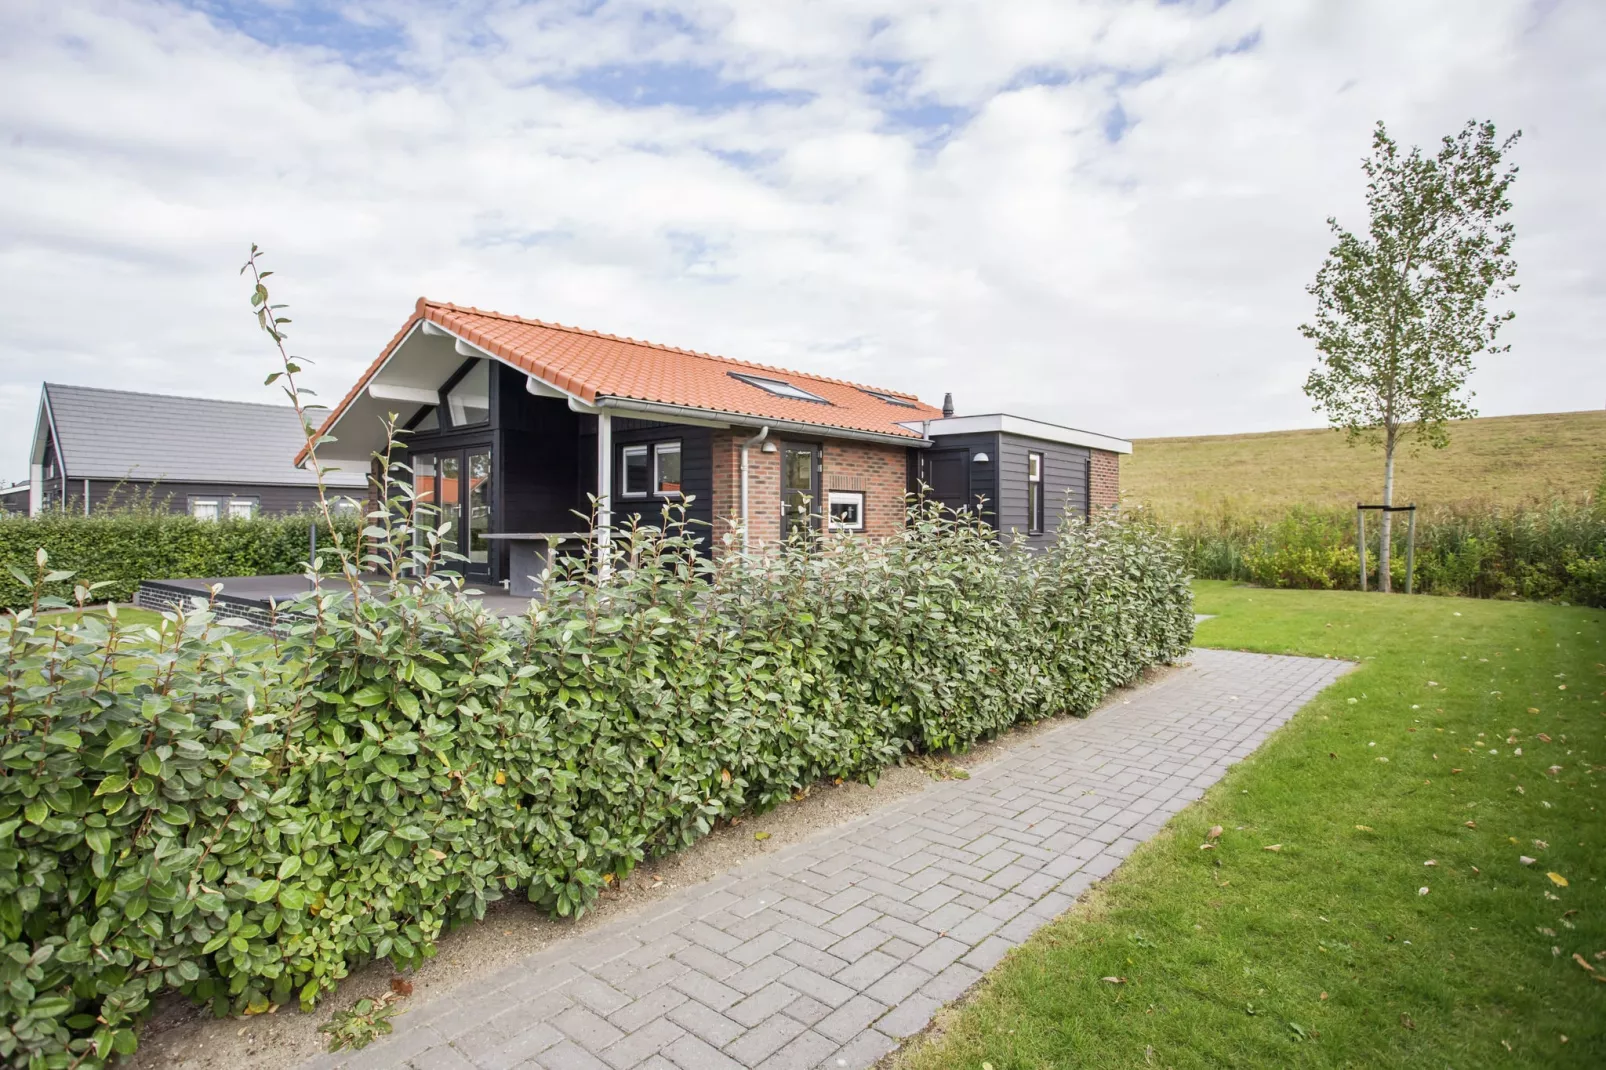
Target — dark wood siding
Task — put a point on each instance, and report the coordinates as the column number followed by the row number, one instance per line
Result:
column 983, row 476
column 696, row 471
column 272, row 499
column 1064, row 484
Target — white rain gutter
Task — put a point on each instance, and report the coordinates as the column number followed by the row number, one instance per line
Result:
column 763, row 433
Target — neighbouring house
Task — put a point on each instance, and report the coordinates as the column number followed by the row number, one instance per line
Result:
column 14, row 499
column 513, row 424
column 209, row 458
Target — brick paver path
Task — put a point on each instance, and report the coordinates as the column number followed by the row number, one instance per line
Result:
column 829, row 951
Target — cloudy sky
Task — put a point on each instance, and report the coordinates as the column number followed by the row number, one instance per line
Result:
column 1097, row 213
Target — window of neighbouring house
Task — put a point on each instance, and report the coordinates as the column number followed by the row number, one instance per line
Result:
column 846, row 509
column 206, row 508
column 666, row 462
column 633, row 472
column 242, row 508
column 1034, row 493
column 468, row 402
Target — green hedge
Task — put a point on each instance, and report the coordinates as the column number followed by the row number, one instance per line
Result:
column 246, row 829
column 1556, row 552
column 126, row 547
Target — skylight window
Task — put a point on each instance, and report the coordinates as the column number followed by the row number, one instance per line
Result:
column 892, row 399
column 779, row 387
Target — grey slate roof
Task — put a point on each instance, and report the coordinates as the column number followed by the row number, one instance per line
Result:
column 120, row 434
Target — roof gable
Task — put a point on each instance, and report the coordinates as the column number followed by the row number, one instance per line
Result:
column 592, row 366
column 122, row 434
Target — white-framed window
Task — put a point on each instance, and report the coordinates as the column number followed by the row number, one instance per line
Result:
column 206, row 508
column 468, row 402
column 650, row 470
column 846, row 509
column 666, row 469
column 633, row 472
column 242, row 508
column 1034, row 493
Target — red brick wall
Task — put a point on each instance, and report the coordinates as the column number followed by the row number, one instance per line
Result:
column 881, row 472
column 1105, row 492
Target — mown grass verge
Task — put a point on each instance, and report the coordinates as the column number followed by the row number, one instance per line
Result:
column 1326, row 952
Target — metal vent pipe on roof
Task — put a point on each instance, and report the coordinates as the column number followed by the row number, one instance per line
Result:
column 947, row 406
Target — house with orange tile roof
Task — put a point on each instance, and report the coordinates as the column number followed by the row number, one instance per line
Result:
column 513, row 425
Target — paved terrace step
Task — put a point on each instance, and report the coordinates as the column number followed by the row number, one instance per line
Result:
column 830, row 951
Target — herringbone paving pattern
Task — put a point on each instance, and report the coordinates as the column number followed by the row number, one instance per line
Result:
column 828, row 952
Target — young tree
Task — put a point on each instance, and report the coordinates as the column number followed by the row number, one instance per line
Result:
column 1402, row 309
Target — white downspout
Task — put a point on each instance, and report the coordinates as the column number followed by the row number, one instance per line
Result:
column 604, row 494
column 763, row 433
column 86, row 497
column 36, row 489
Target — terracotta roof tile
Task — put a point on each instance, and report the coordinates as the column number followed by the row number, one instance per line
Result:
column 593, row 365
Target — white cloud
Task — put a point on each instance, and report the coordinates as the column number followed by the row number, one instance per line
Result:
column 1151, row 285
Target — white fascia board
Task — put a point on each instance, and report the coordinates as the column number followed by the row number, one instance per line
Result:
column 1019, row 425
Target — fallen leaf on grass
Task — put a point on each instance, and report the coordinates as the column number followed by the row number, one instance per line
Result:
column 1470, row 824
column 1422, row 891
column 1553, row 770
column 1207, row 847
column 1214, row 833
column 1405, row 1020
column 1525, row 860
column 1543, row 738
column 1600, row 956
column 1324, row 995
column 1557, row 879
column 1363, row 828
column 1455, row 770
column 1583, row 962
column 1113, row 980
column 401, row 986
column 761, row 835
column 1273, row 847
column 1431, row 862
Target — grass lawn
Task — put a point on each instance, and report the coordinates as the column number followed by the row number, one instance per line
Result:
column 1325, row 952
column 1502, row 460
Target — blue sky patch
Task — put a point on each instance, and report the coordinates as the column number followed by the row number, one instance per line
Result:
column 364, row 43
column 678, row 85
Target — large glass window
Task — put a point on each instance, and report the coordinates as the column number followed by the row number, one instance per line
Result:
column 650, row 470
column 479, row 507
column 448, row 503
column 667, row 462
column 468, row 402
column 633, row 472
column 1034, row 493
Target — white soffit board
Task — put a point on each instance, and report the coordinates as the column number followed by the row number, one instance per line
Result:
column 1020, row 425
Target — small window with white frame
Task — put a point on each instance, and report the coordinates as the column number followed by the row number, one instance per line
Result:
column 1034, row 494
column 633, row 472
column 206, row 508
column 666, row 469
column 846, row 509
column 242, row 508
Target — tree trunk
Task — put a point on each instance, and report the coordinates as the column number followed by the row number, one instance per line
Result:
column 1383, row 577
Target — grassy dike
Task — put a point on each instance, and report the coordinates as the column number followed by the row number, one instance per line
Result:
column 1472, row 734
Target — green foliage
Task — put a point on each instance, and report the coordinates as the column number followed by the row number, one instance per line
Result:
column 361, row 1024
column 1401, row 312
column 245, row 821
column 123, row 547
column 1557, row 552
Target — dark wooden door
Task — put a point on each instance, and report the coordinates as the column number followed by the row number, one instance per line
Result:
column 947, row 473
column 800, row 487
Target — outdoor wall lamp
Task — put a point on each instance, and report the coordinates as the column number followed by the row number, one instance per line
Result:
column 980, row 458
column 768, row 447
